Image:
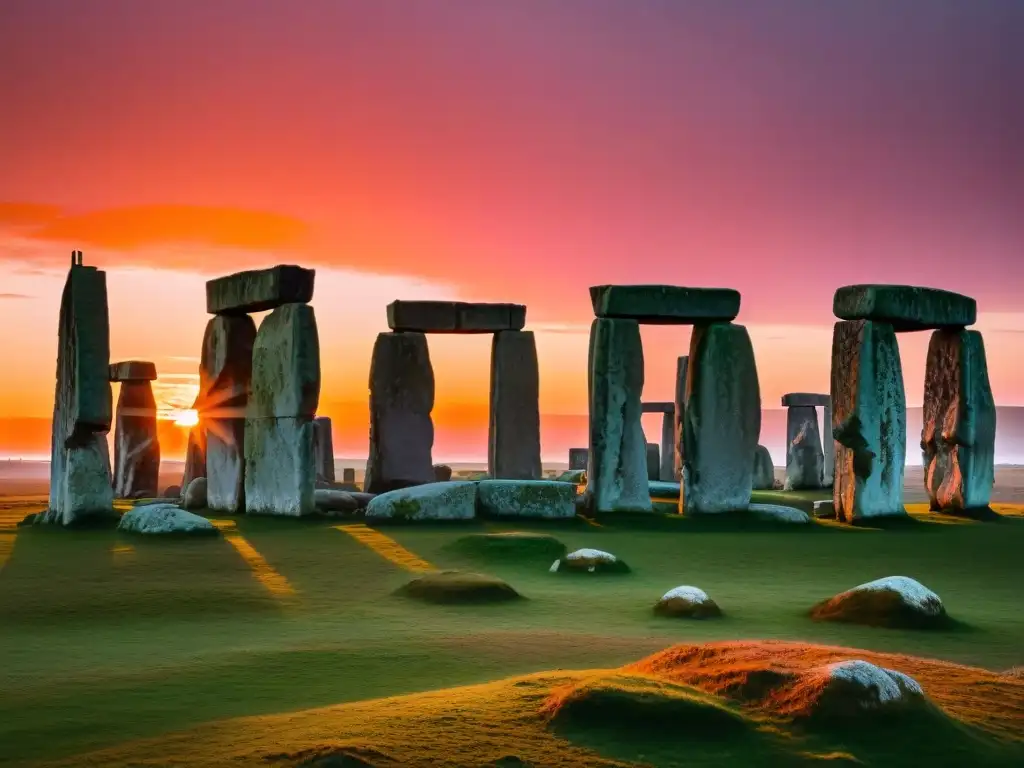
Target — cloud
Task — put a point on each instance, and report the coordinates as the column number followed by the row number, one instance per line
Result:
column 6, row 296
column 16, row 215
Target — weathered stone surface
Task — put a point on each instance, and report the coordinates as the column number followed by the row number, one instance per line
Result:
column 805, row 399
column 679, row 418
column 667, row 447
column 869, row 421
column 432, row 501
column 401, row 399
column 323, row 448
column 905, row 307
column 526, row 498
column 172, row 492
column 959, row 434
column 828, row 445
column 664, row 490
column 764, row 470
column 455, row 317
column 442, row 473
column 279, row 476
column 513, row 439
column 653, row 456
column 225, row 465
column 194, row 495
column 804, row 456
column 225, row 367
column 578, row 458
column 132, row 370
column 195, row 455
column 617, row 467
column 80, row 480
column 665, row 304
column 164, row 519
column 258, row 290
column 654, row 407
column 136, row 446
column 778, row 513
column 285, row 365
column 331, row 500
column 687, row 602
column 723, row 420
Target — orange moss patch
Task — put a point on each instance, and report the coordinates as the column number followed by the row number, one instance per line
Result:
column 766, row 676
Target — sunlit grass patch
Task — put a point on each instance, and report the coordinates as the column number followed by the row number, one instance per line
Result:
column 386, row 547
column 273, row 581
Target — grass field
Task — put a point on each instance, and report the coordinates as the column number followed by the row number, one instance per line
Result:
column 107, row 639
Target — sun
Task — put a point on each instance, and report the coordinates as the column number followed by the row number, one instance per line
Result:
column 187, row 418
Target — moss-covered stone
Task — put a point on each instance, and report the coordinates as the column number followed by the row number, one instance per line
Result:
column 458, row 587
column 431, row 501
column 905, row 307
column 665, row 304
column 526, row 498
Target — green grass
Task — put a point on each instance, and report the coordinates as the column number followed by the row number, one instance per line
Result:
column 99, row 647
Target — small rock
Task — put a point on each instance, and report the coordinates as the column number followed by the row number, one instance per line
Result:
column 164, row 519
column 589, row 561
column 194, row 496
column 848, row 686
column 442, row 473
column 172, row 492
column 777, row 513
column 764, row 469
column 334, row 501
column 825, row 509
column 895, row 601
column 687, row 602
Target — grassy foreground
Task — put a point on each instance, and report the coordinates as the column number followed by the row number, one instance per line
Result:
column 107, row 639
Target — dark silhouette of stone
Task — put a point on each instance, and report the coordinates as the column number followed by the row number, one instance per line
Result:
column 258, row 290
column 959, row 434
column 348, row 475
column 804, row 456
column 653, row 462
column 578, row 458
column 136, row 445
column 323, row 448
column 172, row 492
column 455, row 317
column 764, row 470
column 723, row 420
column 905, row 307
column 665, row 304
column 617, row 467
column 795, row 399
column 195, row 454
column 679, row 418
column 80, row 480
column 194, row 495
column 133, row 370
column 442, row 473
column 513, row 441
column 869, row 421
column 401, row 399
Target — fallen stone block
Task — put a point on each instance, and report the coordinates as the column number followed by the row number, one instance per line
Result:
column 258, row 290
column 802, row 399
column 164, row 519
column 455, row 317
column 526, row 498
column 905, row 307
column 665, row 304
column 431, row 501
column 132, row 370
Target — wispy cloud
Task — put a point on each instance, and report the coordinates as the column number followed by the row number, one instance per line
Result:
column 5, row 296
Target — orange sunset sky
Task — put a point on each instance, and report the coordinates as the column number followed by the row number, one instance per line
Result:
column 506, row 151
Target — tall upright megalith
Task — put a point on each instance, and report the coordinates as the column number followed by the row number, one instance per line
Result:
column 323, row 449
column 617, row 463
column 80, row 480
column 805, row 455
column 136, row 444
column 284, row 393
column 225, row 372
column 513, row 443
column 723, row 420
column 679, row 417
column 959, row 433
column 401, row 399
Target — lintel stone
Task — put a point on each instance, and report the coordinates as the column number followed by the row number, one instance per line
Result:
column 665, row 304
column 657, row 407
column 905, row 307
column 455, row 317
column 133, row 370
column 259, row 289
column 800, row 399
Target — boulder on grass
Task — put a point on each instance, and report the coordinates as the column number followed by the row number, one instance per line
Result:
column 764, row 469
column 329, row 500
column 687, row 602
column 458, row 587
column 526, row 498
column 194, row 495
column 778, row 513
column 165, row 519
column 589, row 561
column 442, row 473
column 846, row 689
column 431, row 501
column 895, row 601
column 172, row 492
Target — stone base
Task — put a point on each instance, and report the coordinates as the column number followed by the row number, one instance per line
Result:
column 279, row 474
column 83, row 487
column 225, row 465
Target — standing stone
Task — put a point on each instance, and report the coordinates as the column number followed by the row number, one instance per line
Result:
column 285, row 391
column 225, row 372
column 513, row 441
column 578, row 458
column 323, row 448
column 653, row 462
column 136, row 446
column 401, row 399
column 828, row 445
column 804, row 456
column 764, row 470
column 667, row 448
column 195, row 454
column 723, row 420
column 80, row 481
column 869, row 420
column 959, row 434
column 617, row 465
column 679, row 419
column 348, row 475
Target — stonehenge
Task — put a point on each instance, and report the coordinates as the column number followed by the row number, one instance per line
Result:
column 667, row 446
column 806, row 457
column 869, row 403
column 720, row 423
column 323, row 449
column 136, row 444
column 80, row 477
column 401, row 387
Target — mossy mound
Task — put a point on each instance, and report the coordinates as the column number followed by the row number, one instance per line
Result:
column 896, row 602
column 510, row 546
column 589, row 561
column 458, row 587
column 687, row 603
